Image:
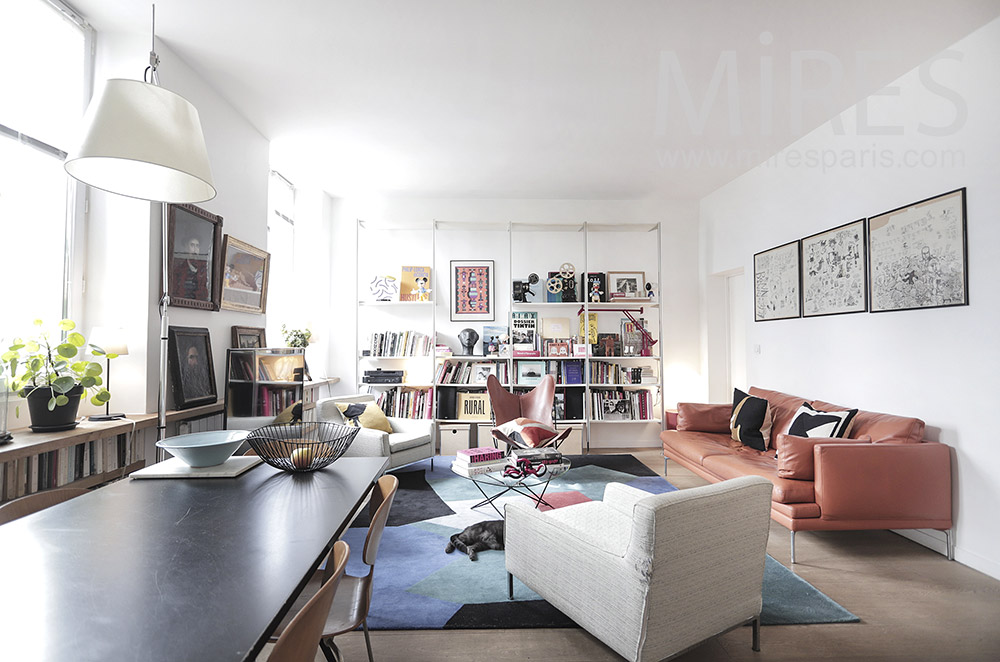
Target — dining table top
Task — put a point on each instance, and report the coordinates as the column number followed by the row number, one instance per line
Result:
column 172, row 569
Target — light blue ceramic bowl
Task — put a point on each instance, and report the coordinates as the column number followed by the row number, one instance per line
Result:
column 204, row 449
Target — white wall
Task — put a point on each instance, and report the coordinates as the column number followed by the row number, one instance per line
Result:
column 679, row 291
column 123, row 235
column 938, row 364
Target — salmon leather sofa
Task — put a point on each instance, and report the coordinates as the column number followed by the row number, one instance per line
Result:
column 884, row 475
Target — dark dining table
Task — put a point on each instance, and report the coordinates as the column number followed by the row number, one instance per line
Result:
column 172, row 569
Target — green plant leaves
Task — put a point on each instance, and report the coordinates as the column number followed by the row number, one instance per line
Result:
column 63, row 384
column 64, row 325
column 69, row 350
column 76, row 339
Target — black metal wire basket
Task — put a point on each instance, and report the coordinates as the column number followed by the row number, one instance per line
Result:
column 302, row 446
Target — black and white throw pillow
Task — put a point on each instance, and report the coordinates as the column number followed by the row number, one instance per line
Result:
column 809, row 422
column 751, row 421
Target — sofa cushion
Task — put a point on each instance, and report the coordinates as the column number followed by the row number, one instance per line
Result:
column 746, row 462
column 795, row 454
column 401, row 441
column 364, row 415
column 783, row 408
column 751, row 421
column 796, row 510
column 696, row 446
column 882, row 428
column 809, row 422
column 703, row 418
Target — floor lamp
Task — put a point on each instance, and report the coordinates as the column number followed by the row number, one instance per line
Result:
column 143, row 141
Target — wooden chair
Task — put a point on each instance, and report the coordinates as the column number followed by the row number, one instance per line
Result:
column 350, row 606
column 536, row 404
column 32, row 503
column 298, row 641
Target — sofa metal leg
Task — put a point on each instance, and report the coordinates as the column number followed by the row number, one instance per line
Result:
column 510, row 586
column 664, row 466
column 432, row 464
column 755, row 626
column 949, row 544
column 793, row 545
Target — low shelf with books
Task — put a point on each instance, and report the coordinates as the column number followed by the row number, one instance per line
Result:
column 407, row 402
column 471, row 372
column 262, row 382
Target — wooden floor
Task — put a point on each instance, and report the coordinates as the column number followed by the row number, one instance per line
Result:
column 914, row 605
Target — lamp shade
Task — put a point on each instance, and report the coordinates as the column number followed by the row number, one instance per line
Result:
column 111, row 339
column 143, row 141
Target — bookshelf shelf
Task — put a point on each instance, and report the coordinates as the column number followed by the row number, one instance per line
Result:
column 262, row 382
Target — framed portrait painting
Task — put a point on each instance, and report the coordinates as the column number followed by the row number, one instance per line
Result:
column 626, row 285
column 919, row 255
column 194, row 242
column 192, row 370
column 776, row 283
column 472, row 291
column 244, row 280
column 249, row 337
column 835, row 271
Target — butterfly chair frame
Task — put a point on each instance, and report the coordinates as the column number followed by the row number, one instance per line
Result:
column 536, row 404
column 298, row 641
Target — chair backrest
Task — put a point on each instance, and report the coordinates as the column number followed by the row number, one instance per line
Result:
column 300, row 640
column 326, row 409
column 536, row 404
column 382, row 495
column 32, row 503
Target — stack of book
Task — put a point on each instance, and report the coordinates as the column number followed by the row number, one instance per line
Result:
column 475, row 461
column 536, row 455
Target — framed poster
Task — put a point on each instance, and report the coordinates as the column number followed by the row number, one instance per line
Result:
column 244, row 283
column 192, row 371
column 835, row 271
column 472, row 290
column 626, row 285
column 194, row 241
column 530, row 373
column 776, row 283
column 919, row 255
column 249, row 337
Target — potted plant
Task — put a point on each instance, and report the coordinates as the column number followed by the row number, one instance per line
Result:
column 298, row 338
column 52, row 376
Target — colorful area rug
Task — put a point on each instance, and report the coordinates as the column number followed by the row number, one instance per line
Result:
column 419, row 587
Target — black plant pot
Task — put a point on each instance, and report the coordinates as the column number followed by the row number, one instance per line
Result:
column 60, row 418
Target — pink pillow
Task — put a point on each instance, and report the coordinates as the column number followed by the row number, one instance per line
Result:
column 527, row 432
column 795, row 454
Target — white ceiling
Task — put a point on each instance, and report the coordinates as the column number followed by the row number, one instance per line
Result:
column 531, row 98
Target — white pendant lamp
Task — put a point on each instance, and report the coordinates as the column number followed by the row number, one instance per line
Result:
column 143, row 141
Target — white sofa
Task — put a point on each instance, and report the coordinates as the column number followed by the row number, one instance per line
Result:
column 410, row 440
column 649, row 575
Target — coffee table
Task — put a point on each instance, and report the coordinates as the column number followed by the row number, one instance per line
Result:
column 521, row 486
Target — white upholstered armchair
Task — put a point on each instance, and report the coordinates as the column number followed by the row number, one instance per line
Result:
column 410, row 440
column 649, row 575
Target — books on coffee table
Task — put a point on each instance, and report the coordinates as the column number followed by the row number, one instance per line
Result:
column 480, row 455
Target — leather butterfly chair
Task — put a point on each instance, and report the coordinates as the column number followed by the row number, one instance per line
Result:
column 350, row 605
column 536, row 404
column 298, row 641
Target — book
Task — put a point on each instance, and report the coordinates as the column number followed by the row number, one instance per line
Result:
column 415, row 284
column 524, row 333
column 529, row 373
column 478, row 455
column 588, row 328
column 496, row 341
column 572, row 372
column 474, row 407
column 535, row 455
column 469, row 471
column 555, row 327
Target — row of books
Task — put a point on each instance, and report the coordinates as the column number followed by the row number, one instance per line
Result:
column 403, row 402
column 272, row 401
column 619, row 405
column 63, row 466
column 614, row 373
column 469, row 372
column 400, row 343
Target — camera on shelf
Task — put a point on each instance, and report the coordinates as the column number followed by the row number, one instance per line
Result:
column 522, row 288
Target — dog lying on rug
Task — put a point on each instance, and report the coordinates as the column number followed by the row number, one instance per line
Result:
column 477, row 537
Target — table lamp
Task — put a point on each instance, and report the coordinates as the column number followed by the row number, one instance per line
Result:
column 112, row 341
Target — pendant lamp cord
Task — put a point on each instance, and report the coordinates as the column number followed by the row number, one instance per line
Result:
column 150, row 75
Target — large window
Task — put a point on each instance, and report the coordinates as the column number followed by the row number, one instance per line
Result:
column 281, row 245
column 43, row 69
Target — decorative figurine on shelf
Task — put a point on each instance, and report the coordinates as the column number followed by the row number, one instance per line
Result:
column 423, row 293
column 649, row 291
column 595, row 291
column 468, row 338
column 384, row 288
column 493, row 346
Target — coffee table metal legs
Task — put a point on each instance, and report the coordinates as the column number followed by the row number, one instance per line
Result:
column 528, row 492
column 510, row 586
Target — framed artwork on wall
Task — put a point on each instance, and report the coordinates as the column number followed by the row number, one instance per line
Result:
column 472, row 290
column 919, row 255
column 626, row 285
column 776, row 283
column 194, row 242
column 244, row 280
column 192, row 370
column 249, row 337
column 835, row 271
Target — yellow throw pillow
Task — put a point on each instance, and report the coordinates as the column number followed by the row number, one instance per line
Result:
column 290, row 414
column 366, row 415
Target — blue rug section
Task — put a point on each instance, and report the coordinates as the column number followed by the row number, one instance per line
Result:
column 791, row 600
column 420, row 587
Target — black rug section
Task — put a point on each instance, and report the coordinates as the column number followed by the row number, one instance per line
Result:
column 517, row 615
column 415, row 501
column 624, row 463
